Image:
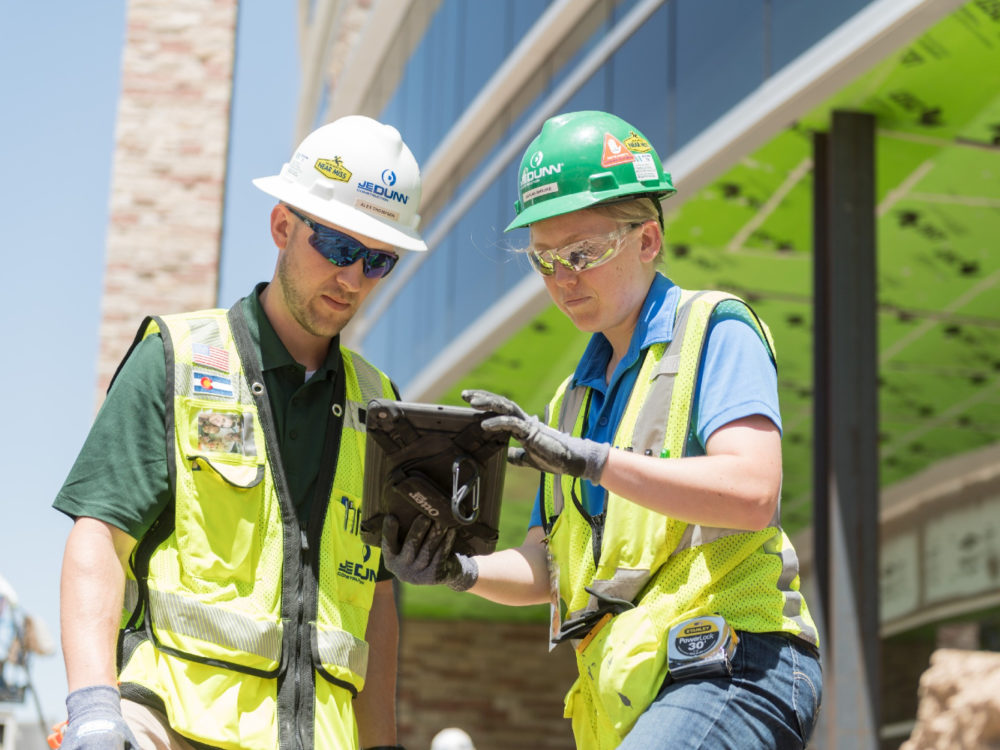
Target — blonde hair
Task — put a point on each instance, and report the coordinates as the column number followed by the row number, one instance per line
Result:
column 634, row 211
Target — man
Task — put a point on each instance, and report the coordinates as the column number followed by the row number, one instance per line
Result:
column 658, row 519
column 217, row 497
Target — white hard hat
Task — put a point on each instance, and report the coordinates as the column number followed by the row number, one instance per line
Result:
column 452, row 739
column 358, row 174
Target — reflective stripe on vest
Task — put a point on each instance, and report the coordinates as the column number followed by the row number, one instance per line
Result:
column 181, row 615
column 340, row 648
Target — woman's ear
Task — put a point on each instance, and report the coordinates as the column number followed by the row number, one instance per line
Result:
column 652, row 241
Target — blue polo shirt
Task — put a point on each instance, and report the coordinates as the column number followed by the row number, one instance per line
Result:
column 737, row 377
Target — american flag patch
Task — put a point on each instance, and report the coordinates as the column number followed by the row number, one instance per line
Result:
column 211, row 385
column 210, row 356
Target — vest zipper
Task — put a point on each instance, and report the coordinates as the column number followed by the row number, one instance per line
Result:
column 299, row 664
column 289, row 684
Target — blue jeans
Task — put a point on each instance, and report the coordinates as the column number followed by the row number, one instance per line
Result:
column 771, row 701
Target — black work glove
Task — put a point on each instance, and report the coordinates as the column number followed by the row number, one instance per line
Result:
column 545, row 448
column 95, row 721
column 425, row 556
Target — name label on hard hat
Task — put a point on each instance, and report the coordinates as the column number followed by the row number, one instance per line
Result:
column 529, row 195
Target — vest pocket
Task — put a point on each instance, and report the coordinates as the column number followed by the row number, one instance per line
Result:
column 624, row 666
column 219, row 528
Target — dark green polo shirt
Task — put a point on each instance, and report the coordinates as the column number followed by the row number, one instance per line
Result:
column 120, row 476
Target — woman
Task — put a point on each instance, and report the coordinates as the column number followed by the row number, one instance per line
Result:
column 658, row 519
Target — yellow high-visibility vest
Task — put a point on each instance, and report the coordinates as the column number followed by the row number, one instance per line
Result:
column 669, row 569
column 246, row 630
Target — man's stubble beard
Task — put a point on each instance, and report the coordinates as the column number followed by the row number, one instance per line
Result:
column 298, row 304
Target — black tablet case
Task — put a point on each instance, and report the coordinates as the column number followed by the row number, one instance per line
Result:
column 412, row 454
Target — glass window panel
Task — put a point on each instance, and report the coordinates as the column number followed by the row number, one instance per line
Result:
column 720, row 59
column 796, row 25
column 638, row 80
column 485, row 41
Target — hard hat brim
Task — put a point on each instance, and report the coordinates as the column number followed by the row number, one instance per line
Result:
column 339, row 214
column 567, row 204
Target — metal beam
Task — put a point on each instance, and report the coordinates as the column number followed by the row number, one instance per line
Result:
column 378, row 57
column 320, row 30
column 850, row 435
column 821, row 381
column 556, row 35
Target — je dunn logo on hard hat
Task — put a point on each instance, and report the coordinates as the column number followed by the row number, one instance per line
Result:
column 388, row 177
column 538, row 172
column 333, row 168
column 614, row 152
column 636, row 143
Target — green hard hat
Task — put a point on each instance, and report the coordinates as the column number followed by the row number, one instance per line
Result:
column 581, row 159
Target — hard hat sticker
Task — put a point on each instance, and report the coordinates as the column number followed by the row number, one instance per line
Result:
column 614, row 152
column 530, row 195
column 636, row 143
column 375, row 209
column 299, row 162
column 645, row 167
column 333, row 168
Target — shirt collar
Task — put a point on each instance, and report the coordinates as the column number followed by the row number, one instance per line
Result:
column 273, row 354
column 654, row 326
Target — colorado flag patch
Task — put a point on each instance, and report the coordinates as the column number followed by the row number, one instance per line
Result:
column 210, row 384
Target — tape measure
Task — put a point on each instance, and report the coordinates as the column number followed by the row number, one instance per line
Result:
column 701, row 647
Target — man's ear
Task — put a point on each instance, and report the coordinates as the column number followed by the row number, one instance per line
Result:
column 652, row 241
column 281, row 226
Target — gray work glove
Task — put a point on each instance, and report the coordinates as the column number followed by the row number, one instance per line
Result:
column 95, row 721
column 425, row 556
column 545, row 448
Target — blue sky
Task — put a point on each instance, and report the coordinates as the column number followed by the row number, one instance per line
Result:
column 59, row 93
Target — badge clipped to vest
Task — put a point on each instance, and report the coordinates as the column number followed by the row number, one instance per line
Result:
column 701, row 647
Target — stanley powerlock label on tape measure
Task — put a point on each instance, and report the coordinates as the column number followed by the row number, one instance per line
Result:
column 701, row 647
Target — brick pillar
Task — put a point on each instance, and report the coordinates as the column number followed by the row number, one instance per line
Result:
column 495, row 680
column 168, row 179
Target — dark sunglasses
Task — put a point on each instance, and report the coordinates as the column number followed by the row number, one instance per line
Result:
column 343, row 250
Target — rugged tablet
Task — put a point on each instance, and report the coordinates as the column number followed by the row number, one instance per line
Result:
column 432, row 460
